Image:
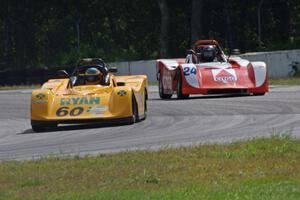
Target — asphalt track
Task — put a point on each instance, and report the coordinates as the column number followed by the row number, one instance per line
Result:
column 200, row 119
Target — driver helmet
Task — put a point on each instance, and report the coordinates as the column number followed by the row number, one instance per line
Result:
column 93, row 76
column 208, row 53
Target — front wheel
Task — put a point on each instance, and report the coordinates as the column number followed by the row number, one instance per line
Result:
column 135, row 112
column 145, row 105
column 179, row 87
column 259, row 94
column 39, row 126
column 162, row 95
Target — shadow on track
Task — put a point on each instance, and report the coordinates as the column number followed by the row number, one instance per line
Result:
column 71, row 127
column 212, row 96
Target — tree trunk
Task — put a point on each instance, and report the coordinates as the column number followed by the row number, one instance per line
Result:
column 7, row 33
column 228, row 25
column 259, row 22
column 196, row 20
column 164, row 28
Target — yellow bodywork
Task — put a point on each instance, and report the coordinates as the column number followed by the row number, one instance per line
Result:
column 56, row 102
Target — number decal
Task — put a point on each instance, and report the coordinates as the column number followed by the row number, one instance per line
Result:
column 188, row 71
column 63, row 111
column 193, row 71
column 76, row 111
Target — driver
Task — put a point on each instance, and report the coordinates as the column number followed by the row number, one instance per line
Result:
column 93, row 76
column 208, row 53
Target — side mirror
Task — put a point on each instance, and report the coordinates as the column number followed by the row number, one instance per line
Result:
column 236, row 52
column 63, row 74
column 190, row 51
column 113, row 70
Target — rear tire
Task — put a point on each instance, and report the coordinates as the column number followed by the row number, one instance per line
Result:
column 162, row 95
column 179, row 87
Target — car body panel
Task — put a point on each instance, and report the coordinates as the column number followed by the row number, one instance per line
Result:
column 234, row 75
column 56, row 102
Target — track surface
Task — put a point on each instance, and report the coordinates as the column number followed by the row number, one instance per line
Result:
column 201, row 119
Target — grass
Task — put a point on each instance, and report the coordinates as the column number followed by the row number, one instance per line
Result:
column 284, row 81
column 18, row 87
column 256, row 169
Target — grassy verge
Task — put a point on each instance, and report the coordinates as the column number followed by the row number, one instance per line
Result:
column 284, row 81
column 18, row 87
column 256, row 169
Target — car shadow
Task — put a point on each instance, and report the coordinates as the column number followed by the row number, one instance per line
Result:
column 71, row 127
column 218, row 96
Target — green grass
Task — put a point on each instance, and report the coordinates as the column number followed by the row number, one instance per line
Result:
column 257, row 169
column 284, row 81
column 18, row 87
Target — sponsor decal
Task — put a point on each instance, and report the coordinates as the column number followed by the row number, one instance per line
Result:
column 224, row 75
column 80, row 101
column 40, row 96
column 97, row 110
column 40, row 101
column 122, row 93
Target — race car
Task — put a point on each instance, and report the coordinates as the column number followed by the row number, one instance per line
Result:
column 207, row 70
column 90, row 94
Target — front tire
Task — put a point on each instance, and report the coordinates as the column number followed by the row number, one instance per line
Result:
column 145, row 105
column 259, row 94
column 135, row 112
column 39, row 126
column 179, row 87
column 162, row 95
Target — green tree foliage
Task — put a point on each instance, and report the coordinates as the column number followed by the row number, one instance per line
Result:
column 52, row 33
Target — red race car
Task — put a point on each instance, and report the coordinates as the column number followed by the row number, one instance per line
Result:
column 207, row 70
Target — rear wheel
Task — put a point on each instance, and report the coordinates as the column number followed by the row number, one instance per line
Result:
column 179, row 87
column 162, row 95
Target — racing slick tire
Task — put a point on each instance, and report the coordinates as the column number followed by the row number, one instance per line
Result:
column 135, row 112
column 179, row 87
column 38, row 126
column 145, row 105
column 258, row 94
column 162, row 95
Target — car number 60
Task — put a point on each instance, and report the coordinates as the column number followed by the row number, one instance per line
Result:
column 63, row 111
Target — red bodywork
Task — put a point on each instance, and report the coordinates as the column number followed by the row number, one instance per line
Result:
column 233, row 75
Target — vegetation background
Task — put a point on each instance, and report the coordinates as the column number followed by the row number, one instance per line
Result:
column 38, row 34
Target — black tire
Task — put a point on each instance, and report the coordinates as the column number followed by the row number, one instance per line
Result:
column 179, row 87
column 259, row 94
column 162, row 95
column 135, row 112
column 38, row 126
column 145, row 105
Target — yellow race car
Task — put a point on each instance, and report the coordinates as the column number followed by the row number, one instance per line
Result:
column 90, row 94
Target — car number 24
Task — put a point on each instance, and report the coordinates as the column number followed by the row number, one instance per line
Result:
column 187, row 71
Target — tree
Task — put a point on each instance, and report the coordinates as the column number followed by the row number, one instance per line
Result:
column 196, row 20
column 164, row 28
